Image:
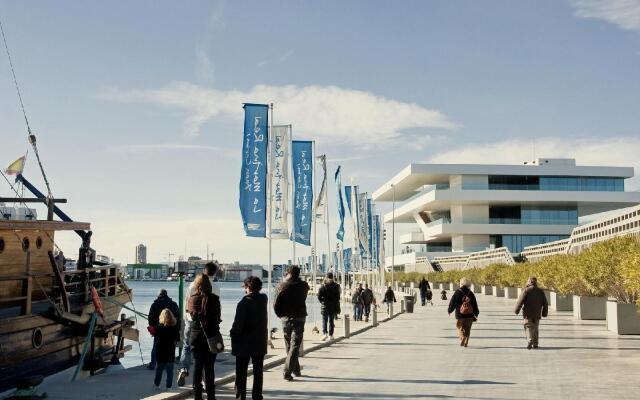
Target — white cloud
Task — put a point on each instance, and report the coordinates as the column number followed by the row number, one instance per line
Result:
column 205, row 69
column 322, row 112
column 609, row 151
column 624, row 13
column 277, row 60
column 156, row 147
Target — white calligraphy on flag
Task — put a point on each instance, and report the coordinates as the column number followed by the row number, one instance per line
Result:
column 321, row 199
column 279, row 181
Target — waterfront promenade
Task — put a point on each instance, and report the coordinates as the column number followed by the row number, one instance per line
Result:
column 417, row 356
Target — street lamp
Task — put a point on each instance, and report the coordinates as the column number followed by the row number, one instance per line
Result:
column 393, row 233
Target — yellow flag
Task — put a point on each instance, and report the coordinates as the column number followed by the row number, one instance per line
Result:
column 16, row 167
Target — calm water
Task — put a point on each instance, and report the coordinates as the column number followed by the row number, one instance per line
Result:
column 144, row 293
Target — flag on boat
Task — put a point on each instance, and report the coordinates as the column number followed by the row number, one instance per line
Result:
column 338, row 179
column 302, row 159
column 253, row 176
column 279, row 145
column 16, row 167
column 321, row 199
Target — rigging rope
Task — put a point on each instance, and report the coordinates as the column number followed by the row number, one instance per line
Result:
column 30, row 135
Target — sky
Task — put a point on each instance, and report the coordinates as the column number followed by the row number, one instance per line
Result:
column 137, row 105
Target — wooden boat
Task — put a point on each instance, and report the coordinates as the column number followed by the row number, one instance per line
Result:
column 45, row 311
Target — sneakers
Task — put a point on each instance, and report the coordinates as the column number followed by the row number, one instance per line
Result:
column 156, row 388
column 288, row 377
column 182, row 377
column 530, row 345
column 331, row 337
column 325, row 337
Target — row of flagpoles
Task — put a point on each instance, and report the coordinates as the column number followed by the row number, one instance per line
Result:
column 269, row 153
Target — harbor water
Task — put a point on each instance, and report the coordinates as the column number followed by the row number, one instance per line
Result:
column 145, row 292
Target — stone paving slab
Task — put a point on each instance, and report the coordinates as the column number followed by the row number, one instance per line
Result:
column 417, row 356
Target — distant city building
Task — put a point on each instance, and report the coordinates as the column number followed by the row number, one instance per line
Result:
column 141, row 254
column 239, row 272
column 459, row 209
column 147, row 271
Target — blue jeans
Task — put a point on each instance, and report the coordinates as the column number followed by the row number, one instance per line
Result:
column 328, row 318
column 357, row 312
column 152, row 364
column 164, row 367
column 186, row 348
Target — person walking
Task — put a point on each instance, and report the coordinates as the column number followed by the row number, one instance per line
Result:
column 424, row 288
column 160, row 303
column 367, row 299
column 167, row 336
column 290, row 306
column 210, row 269
column 358, row 305
column 204, row 308
column 249, row 337
column 329, row 297
column 464, row 303
column 534, row 306
column 389, row 298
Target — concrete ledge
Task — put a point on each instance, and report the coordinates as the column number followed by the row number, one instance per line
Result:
column 475, row 288
column 498, row 291
column 188, row 392
column 511, row 293
column 487, row 290
column 590, row 308
column 623, row 318
column 561, row 303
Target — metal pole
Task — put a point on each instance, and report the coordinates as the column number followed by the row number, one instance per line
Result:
column 269, row 178
column 393, row 233
column 293, row 200
column 315, row 224
column 326, row 205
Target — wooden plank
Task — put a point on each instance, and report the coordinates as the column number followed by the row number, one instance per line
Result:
column 29, row 200
column 43, row 225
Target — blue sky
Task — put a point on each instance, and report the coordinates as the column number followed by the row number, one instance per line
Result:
column 137, row 104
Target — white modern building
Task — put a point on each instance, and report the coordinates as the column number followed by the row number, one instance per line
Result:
column 458, row 209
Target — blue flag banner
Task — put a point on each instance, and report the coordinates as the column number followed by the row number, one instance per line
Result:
column 370, row 227
column 302, row 159
column 253, row 176
column 378, row 242
column 346, row 254
column 347, row 194
column 340, row 233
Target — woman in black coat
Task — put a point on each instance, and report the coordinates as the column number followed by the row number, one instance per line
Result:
column 204, row 308
column 249, row 337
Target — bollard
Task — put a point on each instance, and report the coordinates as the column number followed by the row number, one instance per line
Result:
column 390, row 309
column 347, row 332
column 401, row 306
column 374, row 317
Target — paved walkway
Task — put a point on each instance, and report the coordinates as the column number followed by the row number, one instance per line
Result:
column 417, row 356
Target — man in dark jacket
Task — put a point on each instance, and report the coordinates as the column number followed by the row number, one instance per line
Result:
column 424, row 288
column 464, row 303
column 163, row 301
column 249, row 337
column 329, row 297
column 290, row 307
column 358, row 305
column 534, row 306
column 367, row 300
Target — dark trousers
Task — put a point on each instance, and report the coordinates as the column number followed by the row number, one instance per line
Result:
column 153, row 362
column 204, row 360
column 242, row 364
column 357, row 312
column 160, row 367
column 423, row 297
column 327, row 319
column 293, row 329
column 367, row 310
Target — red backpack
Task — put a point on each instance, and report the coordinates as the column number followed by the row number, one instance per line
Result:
column 466, row 308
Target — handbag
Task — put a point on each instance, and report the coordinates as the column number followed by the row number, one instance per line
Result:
column 216, row 344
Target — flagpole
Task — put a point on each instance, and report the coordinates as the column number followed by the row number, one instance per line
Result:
column 315, row 223
column 326, row 201
column 293, row 200
column 270, row 265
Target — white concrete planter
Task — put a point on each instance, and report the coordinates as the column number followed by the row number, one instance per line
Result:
column 498, row 291
column 623, row 318
column 475, row 288
column 453, row 286
column 435, row 285
column 547, row 294
column 487, row 290
column 511, row 293
column 587, row 307
column 561, row 303
column 519, row 291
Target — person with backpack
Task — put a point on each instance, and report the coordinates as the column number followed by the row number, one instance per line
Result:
column 389, row 298
column 534, row 306
column 424, row 288
column 329, row 297
column 367, row 299
column 463, row 302
column 358, row 304
column 204, row 308
column 290, row 306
